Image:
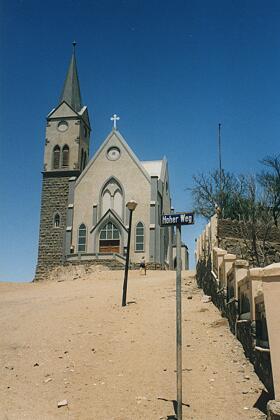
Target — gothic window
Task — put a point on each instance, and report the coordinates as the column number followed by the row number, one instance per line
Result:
column 82, row 238
column 106, row 201
column 56, row 157
column 109, row 232
column 109, row 241
column 139, row 237
column 65, row 156
column 118, row 202
column 56, row 220
column 112, row 198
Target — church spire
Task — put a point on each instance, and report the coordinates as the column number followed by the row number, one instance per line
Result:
column 71, row 89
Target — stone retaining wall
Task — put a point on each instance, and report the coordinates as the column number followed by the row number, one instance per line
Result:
column 231, row 238
column 243, row 328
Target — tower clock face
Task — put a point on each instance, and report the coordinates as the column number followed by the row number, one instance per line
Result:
column 113, row 153
column 62, row 126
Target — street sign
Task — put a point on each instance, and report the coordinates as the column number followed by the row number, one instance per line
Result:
column 177, row 219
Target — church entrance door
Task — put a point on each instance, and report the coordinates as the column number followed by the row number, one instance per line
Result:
column 109, row 241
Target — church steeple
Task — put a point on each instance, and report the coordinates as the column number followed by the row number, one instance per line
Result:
column 71, row 89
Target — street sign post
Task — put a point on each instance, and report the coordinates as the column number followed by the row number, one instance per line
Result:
column 178, row 219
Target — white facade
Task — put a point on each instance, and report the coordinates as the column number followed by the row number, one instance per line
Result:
column 100, row 218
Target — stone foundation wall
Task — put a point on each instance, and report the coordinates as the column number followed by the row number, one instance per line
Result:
column 244, row 335
column 232, row 314
column 111, row 264
column 263, row 369
column 242, row 328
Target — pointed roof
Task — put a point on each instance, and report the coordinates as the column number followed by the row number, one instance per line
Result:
column 71, row 89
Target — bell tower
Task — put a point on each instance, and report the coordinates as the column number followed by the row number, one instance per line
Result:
column 65, row 156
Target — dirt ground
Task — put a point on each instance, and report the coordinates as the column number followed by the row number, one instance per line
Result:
column 71, row 340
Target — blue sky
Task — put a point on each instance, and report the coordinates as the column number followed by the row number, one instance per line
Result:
column 171, row 70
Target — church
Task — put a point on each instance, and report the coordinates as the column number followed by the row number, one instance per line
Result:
column 85, row 211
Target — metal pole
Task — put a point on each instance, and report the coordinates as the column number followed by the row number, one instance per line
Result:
column 220, row 158
column 127, row 261
column 179, row 322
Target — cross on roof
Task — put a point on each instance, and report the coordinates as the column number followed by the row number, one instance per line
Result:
column 115, row 118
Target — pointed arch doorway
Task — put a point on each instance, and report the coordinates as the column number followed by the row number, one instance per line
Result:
column 109, row 239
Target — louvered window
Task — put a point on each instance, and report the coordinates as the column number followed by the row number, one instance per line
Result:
column 65, row 156
column 56, row 157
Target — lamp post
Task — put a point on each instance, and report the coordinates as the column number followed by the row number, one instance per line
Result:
column 131, row 205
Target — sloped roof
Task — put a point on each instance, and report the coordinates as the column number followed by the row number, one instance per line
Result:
column 71, row 93
column 154, row 167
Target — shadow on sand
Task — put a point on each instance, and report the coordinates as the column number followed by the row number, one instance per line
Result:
column 262, row 401
column 174, row 402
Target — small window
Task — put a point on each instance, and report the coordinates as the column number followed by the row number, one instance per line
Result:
column 56, row 157
column 65, row 156
column 85, row 160
column 56, row 221
column 82, row 238
column 82, row 159
column 139, row 241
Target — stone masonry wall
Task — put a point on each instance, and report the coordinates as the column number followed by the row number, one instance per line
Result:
column 231, row 239
column 51, row 239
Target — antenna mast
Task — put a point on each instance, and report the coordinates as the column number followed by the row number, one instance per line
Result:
column 220, row 156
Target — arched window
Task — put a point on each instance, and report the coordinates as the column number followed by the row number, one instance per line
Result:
column 139, row 237
column 112, row 197
column 56, row 220
column 82, row 238
column 109, row 239
column 56, row 157
column 65, row 156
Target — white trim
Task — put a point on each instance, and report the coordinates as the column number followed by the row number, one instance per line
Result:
column 70, row 206
column 152, row 226
column 69, row 228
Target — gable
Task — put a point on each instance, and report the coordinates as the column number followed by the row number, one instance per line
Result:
column 63, row 110
column 115, row 139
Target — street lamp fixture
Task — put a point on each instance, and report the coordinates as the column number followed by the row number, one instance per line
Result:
column 131, row 205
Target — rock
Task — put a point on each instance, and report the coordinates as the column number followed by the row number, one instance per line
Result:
column 206, row 299
column 36, row 364
column 246, row 377
column 47, row 380
column 273, row 410
column 189, row 297
column 62, row 403
column 245, row 391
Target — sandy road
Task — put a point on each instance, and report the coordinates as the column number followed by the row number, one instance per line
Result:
column 72, row 340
